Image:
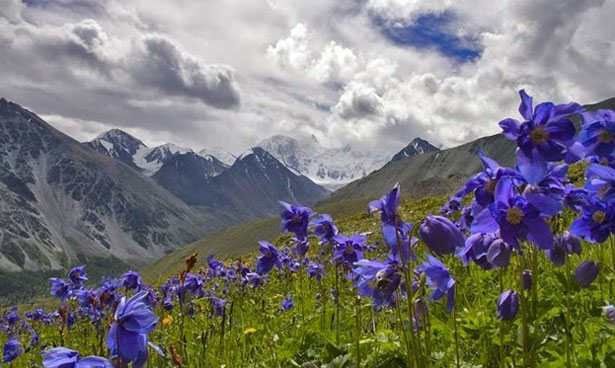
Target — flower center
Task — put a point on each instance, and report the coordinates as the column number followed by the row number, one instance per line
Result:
column 604, row 190
column 349, row 249
column 599, row 217
column 381, row 281
column 539, row 135
column 606, row 137
column 514, row 215
column 490, row 186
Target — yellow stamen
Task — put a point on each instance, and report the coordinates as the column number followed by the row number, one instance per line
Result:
column 599, row 217
column 514, row 216
column 539, row 135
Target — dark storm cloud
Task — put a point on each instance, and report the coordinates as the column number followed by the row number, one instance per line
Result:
column 159, row 63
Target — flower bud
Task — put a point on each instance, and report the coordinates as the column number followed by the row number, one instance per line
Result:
column 508, row 305
column 526, row 280
column 441, row 235
column 586, row 273
column 499, row 253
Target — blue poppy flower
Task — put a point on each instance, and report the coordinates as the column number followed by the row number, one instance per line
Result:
column 316, row 270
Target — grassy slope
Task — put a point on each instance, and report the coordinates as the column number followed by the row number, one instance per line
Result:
column 241, row 239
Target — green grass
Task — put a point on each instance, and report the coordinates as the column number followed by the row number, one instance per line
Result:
column 565, row 321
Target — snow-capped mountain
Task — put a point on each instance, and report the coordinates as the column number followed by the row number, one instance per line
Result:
column 119, row 145
column 418, row 146
column 220, row 153
column 331, row 168
column 133, row 152
column 61, row 201
column 255, row 183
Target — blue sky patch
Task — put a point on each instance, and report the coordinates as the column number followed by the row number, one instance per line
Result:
column 431, row 31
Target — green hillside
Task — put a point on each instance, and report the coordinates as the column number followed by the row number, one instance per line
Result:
column 241, row 239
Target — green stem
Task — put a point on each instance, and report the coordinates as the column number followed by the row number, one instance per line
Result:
column 358, row 329
column 337, row 305
column 457, row 360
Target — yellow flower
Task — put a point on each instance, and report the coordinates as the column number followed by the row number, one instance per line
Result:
column 167, row 320
column 249, row 331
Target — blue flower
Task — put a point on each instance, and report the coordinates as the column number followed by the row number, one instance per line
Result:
column 316, row 270
column 324, row 228
column 544, row 136
column 131, row 280
column 349, row 249
column 287, row 303
column 483, row 183
column 218, row 306
column 395, row 232
column 514, row 217
column 269, row 257
column 65, row 358
column 439, row 280
column 499, row 253
column 598, row 132
column 77, row 276
column 12, row 349
column 295, row 219
column 128, row 335
column 586, row 273
column 476, row 247
column 596, row 223
column 601, row 182
column 377, row 280
column 441, row 235
column 508, row 305
column 59, row 288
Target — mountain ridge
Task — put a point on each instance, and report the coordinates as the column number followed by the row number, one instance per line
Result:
column 61, row 200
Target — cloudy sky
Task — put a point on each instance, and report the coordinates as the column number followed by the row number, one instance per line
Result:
column 374, row 73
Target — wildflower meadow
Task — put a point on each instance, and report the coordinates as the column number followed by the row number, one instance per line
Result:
column 516, row 269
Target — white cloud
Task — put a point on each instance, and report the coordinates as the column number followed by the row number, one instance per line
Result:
column 197, row 73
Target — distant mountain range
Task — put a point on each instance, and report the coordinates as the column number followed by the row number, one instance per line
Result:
column 438, row 172
column 63, row 201
column 329, row 167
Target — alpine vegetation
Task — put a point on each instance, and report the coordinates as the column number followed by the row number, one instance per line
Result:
column 516, row 269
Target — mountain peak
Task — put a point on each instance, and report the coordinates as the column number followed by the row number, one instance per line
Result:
column 120, row 137
column 417, row 146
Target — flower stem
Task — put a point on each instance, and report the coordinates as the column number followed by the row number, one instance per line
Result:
column 358, row 329
column 457, row 360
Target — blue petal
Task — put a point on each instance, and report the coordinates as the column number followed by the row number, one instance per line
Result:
column 525, row 108
column 484, row 222
column 510, row 128
column 533, row 169
column 539, row 232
